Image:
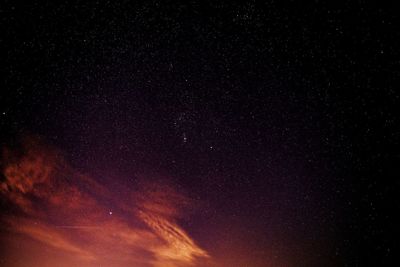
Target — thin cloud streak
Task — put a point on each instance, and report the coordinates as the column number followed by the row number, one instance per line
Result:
column 67, row 211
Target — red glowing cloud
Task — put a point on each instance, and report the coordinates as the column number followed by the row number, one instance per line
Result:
column 59, row 214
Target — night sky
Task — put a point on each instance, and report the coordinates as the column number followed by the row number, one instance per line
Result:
column 166, row 134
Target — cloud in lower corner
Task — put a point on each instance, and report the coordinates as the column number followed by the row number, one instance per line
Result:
column 68, row 212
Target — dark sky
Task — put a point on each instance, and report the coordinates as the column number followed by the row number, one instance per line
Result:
column 276, row 122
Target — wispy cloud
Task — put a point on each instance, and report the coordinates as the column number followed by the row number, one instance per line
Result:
column 68, row 211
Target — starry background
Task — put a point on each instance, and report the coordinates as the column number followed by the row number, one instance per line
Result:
column 279, row 118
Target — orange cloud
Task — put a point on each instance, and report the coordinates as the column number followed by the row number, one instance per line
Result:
column 69, row 212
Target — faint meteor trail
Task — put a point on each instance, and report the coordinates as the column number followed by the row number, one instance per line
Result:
column 78, row 227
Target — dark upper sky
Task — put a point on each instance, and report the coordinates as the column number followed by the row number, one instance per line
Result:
column 277, row 119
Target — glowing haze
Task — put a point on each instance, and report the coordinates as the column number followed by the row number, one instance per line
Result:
column 61, row 217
